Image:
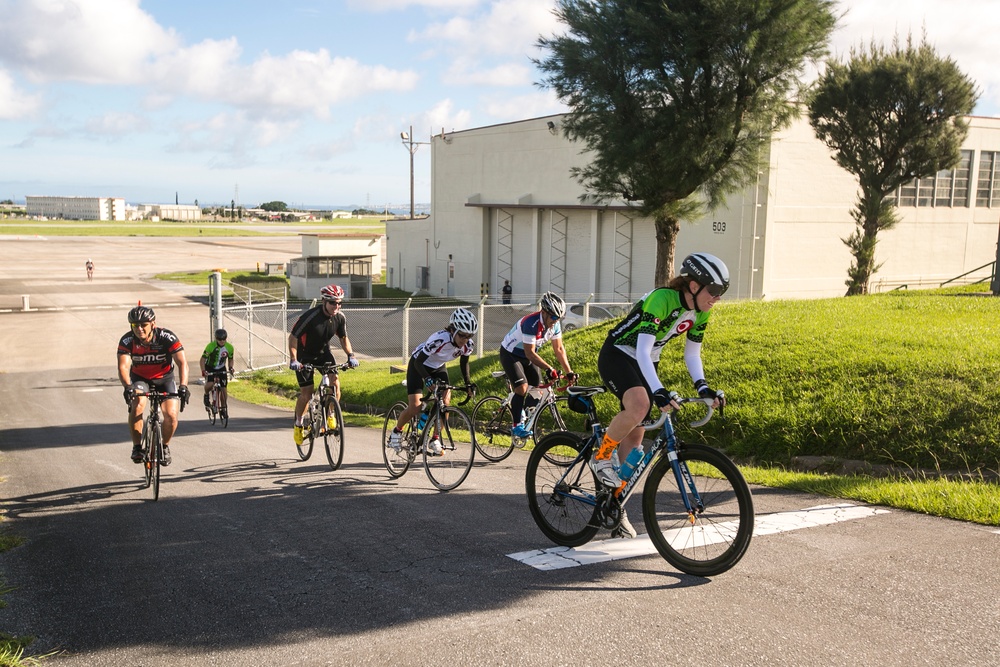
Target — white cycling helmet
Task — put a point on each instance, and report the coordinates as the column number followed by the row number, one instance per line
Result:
column 464, row 321
column 707, row 270
column 553, row 304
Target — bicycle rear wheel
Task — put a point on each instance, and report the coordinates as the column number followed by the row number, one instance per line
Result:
column 309, row 433
column 715, row 536
column 493, row 421
column 458, row 450
column 333, row 439
column 397, row 462
column 562, row 490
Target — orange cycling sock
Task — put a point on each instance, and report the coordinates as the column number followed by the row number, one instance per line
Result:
column 606, row 449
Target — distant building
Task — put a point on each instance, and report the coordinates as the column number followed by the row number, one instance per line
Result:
column 179, row 212
column 76, row 208
column 505, row 207
column 348, row 260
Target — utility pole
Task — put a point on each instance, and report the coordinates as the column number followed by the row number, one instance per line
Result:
column 412, row 146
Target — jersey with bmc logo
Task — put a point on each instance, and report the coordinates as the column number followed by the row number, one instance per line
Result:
column 439, row 349
column 154, row 360
column 216, row 355
column 529, row 329
column 659, row 313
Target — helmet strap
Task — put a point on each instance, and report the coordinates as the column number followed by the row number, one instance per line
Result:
column 694, row 296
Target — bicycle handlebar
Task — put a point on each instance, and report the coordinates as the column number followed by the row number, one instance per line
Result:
column 444, row 386
column 652, row 426
column 327, row 368
column 160, row 396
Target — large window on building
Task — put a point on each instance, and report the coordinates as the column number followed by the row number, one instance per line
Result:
column 948, row 187
column 988, row 190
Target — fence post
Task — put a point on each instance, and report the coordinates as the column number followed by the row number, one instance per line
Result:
column 482, row 324
column 406, row 328
column 586, row 310
column 215, row 290
column 250, row 325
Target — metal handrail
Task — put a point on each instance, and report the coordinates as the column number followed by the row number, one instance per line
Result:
column 992, row 273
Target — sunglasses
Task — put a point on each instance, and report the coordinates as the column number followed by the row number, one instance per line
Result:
column 142, row 325
column 335, row 304
column 554, row 318
column 715, row 290
column 463, row 336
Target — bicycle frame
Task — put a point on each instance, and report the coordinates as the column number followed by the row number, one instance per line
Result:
column 548, row 398
column 665, row 440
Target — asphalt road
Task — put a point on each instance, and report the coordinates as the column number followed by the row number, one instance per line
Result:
column 252, row 557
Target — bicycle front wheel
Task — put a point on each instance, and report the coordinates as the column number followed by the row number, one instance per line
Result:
column 449, row 468
column 397, row 461
column 715, row 534
column 155, row 460
column 562, row 490
column 309, row 431
column 333, row 438
column 493, row 422
column 147, row 451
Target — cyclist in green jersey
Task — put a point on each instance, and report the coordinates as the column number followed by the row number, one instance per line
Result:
column 218, row 355
column 630, row 356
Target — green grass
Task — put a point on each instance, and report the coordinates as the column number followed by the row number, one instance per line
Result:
column 907, row 379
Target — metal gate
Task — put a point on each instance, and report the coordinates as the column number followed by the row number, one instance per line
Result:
column 255, row 319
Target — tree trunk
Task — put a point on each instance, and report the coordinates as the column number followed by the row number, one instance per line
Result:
column 666, row 242
column 871, row 215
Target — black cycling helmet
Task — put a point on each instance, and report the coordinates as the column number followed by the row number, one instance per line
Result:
column 141, row 314
column 221, row 334
column 708, row 271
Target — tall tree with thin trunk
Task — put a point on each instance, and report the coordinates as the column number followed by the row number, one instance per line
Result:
column 890, row 115
column 676, row 98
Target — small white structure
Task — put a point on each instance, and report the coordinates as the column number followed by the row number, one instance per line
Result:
column 348, row 260
column 75, row 208
column 504, row 207
column 178, row 212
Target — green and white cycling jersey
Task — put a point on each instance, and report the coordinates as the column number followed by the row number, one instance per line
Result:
column 660, row 314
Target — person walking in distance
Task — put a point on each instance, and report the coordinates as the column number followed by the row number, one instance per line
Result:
column 148, row 354
column 309, row 343
column 507, row 292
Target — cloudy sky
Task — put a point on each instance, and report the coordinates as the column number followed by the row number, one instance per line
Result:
column 304, row 100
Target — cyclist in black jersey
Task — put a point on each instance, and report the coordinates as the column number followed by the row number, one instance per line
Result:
column 629, row 358
column 148, row 354
column 309, row 343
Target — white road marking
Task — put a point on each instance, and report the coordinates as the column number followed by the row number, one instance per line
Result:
column 92, row 389
column 556, row 558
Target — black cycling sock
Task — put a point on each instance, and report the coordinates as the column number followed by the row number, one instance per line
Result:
column 516, row 407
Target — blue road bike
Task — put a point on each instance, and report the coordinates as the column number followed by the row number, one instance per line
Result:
column 696, row 506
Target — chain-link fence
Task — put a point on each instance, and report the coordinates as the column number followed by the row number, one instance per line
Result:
column 256, row 319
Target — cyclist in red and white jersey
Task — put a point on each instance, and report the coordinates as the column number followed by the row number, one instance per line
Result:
column 148, row 354
column 519, row 355
column 427, row 366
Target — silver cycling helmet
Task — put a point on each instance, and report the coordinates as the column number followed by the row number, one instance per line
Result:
column 464, row 321
column 553, row 304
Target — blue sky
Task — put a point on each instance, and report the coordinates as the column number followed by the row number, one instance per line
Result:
column 303, row 101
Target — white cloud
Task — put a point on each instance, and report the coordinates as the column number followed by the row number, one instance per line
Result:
column 393, row 5
column 531, row 105
column 464, row 73
column 510, row 28
column 444, row 116
column 14, row 103
column 92, row 41
column 116, row 124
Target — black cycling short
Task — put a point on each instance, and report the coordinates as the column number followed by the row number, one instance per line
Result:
column 518, row 369
column 219, row 375
column 415, row 383
column 620, row 371
column 304, row 377
column 164, row 384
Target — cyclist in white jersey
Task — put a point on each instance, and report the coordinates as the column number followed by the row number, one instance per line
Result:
column 427, row 366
